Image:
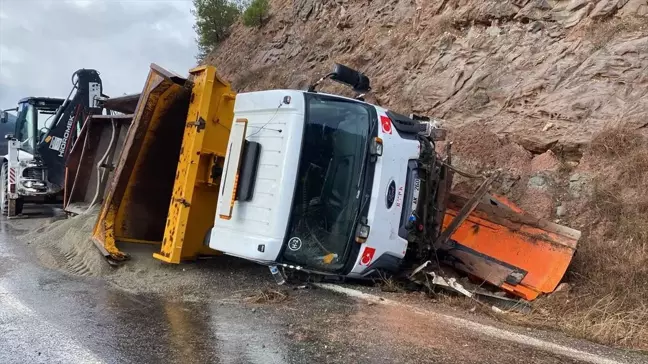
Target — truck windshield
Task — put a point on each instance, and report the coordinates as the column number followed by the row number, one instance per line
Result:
column 31, row 120
column 327, row 197
column 24, row 126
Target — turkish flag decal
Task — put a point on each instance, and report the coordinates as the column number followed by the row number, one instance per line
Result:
column 386, row 124
column 367, row 255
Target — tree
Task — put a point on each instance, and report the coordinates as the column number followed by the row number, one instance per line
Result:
column 213, row 20
column 256, row 13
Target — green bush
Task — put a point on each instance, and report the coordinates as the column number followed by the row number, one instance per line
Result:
column 256, row 13
column 213, row 20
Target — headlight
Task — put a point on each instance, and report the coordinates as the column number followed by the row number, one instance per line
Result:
column 33, row 184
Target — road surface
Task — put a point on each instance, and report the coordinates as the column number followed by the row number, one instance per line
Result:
column 52, row 316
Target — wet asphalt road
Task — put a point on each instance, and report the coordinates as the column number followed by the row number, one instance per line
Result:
column 49, row 316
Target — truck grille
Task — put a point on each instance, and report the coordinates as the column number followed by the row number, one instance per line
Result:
column 34, row 173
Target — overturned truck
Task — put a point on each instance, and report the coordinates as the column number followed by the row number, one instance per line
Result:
column 314, row 182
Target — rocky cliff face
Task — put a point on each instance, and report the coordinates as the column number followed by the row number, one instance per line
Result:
column 547, row 74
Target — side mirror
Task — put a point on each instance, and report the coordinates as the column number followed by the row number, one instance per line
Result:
column 348, row 76
column 351, row 77
column 4, row 117
column 9, row 136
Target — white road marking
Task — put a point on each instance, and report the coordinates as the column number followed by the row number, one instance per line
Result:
column 479, row 328
column 26, row 334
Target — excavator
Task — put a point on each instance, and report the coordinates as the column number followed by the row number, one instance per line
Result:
column 33, row 169
column 311, row 182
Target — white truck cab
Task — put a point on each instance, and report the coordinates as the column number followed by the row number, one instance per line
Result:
column 333, row 190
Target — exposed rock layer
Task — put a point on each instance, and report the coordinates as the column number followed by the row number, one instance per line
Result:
column 515, row 66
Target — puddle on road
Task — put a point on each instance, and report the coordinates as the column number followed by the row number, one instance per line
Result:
column 198, row 331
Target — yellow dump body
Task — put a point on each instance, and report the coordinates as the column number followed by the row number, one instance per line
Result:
column 195, row 191
column 87, row 168
column 162, row 190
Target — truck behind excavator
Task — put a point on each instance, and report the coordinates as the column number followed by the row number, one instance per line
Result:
column 311, row 182
column 33, row 169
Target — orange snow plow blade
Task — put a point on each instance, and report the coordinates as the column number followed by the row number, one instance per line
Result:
column 507, row 247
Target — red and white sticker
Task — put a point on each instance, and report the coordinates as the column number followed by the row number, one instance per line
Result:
column 385, row 124
column 367, row 255
column 12, row 175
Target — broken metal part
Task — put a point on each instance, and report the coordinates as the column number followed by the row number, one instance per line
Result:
column 468, row 208
column 509, row 248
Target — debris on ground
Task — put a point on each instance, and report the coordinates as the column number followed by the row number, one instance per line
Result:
column 267, row 295
column 65, row 244
column 430, row 278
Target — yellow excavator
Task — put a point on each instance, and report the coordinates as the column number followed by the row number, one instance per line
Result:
column 306, row 181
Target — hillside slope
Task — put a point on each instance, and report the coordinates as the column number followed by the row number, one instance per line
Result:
column 515, row 66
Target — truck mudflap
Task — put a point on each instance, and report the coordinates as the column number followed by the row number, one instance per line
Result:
column 165, row 184
column 507, row 247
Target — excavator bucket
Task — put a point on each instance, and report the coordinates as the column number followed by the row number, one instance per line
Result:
column 164, row 187
column 507, row 247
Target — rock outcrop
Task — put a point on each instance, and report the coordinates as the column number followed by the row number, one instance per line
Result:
column 514, row 66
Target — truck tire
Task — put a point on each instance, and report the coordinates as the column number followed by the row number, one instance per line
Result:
column 18, row 206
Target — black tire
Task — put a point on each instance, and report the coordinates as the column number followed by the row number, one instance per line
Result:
column 19, row 206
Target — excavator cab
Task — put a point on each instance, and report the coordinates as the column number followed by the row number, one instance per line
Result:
column 35, row 116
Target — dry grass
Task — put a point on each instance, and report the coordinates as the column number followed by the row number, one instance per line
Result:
column 609, row 273
column 267, row 295
column 616, row 142
column 601, row 32
column 388, row 283
column 257, row 79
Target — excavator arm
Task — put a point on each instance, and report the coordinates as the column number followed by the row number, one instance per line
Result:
column 58, row 137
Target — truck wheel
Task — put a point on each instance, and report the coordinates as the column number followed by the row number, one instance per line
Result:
column 4, row 189
column 19, row 206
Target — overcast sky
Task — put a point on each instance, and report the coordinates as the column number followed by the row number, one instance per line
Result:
column 42, row 42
